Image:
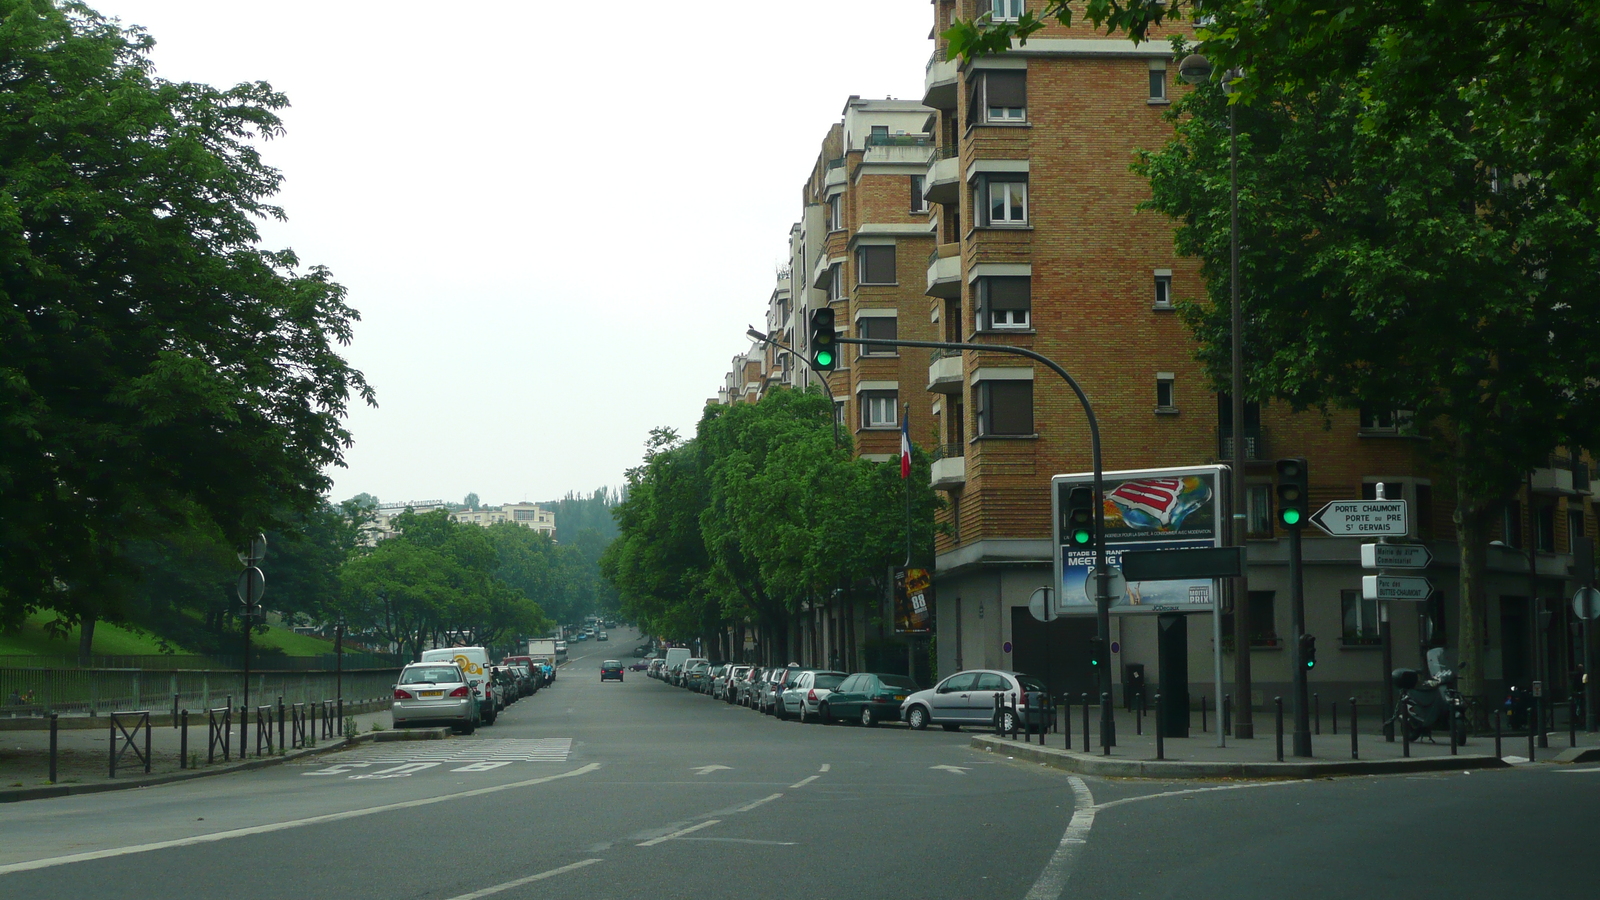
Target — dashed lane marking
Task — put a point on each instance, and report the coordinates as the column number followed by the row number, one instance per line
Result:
column 506, row 886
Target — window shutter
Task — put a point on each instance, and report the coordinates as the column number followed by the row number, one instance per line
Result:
column 1008, row 87
column 1010, row 407
column 1009, row 292
column 877, row 265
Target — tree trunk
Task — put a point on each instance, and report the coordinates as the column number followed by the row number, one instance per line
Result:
column 85, row 639
column 1471, row 521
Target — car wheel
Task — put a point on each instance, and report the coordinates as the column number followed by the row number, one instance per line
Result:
column 917, row 718
column 489, row 719
column 825, row 714
column 466, row 729
column 867, row 718
column 778, row 711
column 802, row 716
column 949, row 726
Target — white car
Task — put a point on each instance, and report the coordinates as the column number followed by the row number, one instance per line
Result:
column 801, row 696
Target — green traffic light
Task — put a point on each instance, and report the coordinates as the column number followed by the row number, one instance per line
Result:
column 1081, row 537
column 1311, row 664
column 824, row 358
column 1291, row 517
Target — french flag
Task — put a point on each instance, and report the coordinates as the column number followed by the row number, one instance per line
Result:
column 905, row 445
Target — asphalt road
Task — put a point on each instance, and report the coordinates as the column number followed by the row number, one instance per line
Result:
column 637, row 789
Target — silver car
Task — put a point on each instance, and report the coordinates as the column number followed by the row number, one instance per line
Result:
column 801, row 695
column 965, row 698
column 434, row 693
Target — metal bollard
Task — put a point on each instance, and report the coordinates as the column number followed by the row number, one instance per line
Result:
column 53, row 725
column 1405, row 732
column 1572, row 722
column 1022, row 716
column 1316, row 713
column 1161, row 728
column 174, row 710
column 1278, row 702
column 1333, row 714
column 998, row 732
column 1497, row 752
column 183, row 742
column 1086, row 723
column 1452, row 734
column 1106, row 723
column 1138, row 717
column 1066, row 720
column 1539, row 710
column 1227, row 714
column 1532, row 727
column 281, row 744
column 1355, row 751
column 1202, row 713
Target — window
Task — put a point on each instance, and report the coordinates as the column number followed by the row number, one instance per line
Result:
column 1003, row 200
column 1511, row 524
column 1258, row 510
column 835, row 282
column 1005, row 408
column 1360, row 618
column 1163, row 295
column 1575, row 533
column 881, row 327
column 1165, row 383
column 1544, row 529
column 1422, row 516
column 1005, row 301
column 838, row 413
column 875, row 265
column 958, row 683
column 1001, row 10
column 989, row 681
column 1262, row 619
column 880, row 409
column 999, row 95
column 881, row 129
column 1158, row 80
column 1385, row 421
column 836, row 212
column 919, row 203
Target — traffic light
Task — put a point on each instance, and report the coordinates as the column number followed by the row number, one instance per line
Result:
column 1293, row 487
column 1095, row 645
column 824, row 346
column 1308, row 652
column 1080, row 517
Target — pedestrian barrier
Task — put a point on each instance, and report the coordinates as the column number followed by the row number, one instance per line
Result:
column 124, row 739
column 95, row 691
column 297, row 733
column 220, row 731
column 263, row 729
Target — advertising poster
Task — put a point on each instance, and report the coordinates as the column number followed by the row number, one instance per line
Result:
column 913, row 601
column 1152, row 509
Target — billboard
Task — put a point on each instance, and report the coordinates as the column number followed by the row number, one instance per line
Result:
column 1145, row 509
column 913, row 601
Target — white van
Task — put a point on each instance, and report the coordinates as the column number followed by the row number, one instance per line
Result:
column 676, row 656
column 474, row 661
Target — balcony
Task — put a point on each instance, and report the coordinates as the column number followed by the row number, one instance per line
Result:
column 944, row 271
column 943, row 181
column 949, row 467
column 944, row 371
column 1254, row 445
column 940, row 83
column 1557, row 478
column 837, row 173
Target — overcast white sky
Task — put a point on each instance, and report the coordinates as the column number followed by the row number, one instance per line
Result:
column 556, row 219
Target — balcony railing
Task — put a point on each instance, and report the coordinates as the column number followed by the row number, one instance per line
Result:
column 1254, row 445
column 949, row 451
column 836, row 163
column 937, row 57
column 939, row 353
column 899, row 140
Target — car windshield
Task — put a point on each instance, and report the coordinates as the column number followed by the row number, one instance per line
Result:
column 829, row 680
column 897, row 681
column 431, row 675
column 612, row 664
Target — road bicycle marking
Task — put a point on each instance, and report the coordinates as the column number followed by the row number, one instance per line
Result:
column 477, row 756
column 284, row 826
column 1053, row 880
column 529, row 880
column 680, row 833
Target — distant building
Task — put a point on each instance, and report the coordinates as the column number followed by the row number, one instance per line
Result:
column 382, row 526
column 528, row 515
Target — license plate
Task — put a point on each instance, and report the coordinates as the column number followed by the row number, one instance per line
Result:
column 430, row 693
column 899, row 696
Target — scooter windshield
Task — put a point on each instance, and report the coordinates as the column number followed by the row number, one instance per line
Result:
column 1438, row 664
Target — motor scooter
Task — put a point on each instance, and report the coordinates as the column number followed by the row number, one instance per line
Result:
column 1430, row 704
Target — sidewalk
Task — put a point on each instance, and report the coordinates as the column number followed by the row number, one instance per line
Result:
column 83, row 753
column 1198, row 755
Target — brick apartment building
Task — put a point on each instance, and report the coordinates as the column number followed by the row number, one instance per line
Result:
column 1032, row 237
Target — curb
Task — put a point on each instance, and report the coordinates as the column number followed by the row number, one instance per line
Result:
column 1087, row 764
column 372, row 737
column 1578, row 755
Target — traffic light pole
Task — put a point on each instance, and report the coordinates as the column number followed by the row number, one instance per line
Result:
column 1102, row 589
column 1297, row 624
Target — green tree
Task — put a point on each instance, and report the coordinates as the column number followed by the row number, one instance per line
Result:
column 158, row 367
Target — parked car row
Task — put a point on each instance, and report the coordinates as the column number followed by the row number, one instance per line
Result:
column 827, row 695
column 459, row 688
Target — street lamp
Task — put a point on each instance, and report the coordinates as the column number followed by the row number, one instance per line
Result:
column 1195, row 69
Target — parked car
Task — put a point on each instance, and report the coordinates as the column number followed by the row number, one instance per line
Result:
column 730, row 683
column 639, row 665
column 713, row 677
column 657, row 666
column 474, row 663
column 694, row 674
column 747, row 686
column 868, row 698
column 611, row 669
column 802, row 693
column 777, row 680
column 435, row 693
column 968, row 698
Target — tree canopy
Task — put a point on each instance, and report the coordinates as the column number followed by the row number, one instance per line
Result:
column 160, row 371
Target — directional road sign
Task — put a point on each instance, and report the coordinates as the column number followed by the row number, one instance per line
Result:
column 1395, row 587
column 1344, row 518
column 1395, row 556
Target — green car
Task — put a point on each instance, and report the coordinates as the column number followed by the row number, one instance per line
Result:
column 868, row 698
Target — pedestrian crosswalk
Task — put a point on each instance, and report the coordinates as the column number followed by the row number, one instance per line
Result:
column 406, row 757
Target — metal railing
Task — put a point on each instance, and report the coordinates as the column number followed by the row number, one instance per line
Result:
column 939, row 55
column 899, row 140
column 949, row 451
column 836, row 163
column 939, row 353
column 1254, row 444
column 98, row 691
column 163, row 662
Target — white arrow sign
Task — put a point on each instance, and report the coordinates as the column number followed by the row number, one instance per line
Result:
column 1395, row 556
column 954, row 770
column 707, row 770
column 1343, row 518
column 1396, row 587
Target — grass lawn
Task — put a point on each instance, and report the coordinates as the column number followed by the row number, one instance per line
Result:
column 109, row 640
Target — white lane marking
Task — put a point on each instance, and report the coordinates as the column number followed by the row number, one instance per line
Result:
column 954, row 770
column 1206, row 790
column 1053, row 880
column 680, row 833
column 707, row 770
column 283, row 826
column 529, row 880
column 805, row 781
column 743, row 841
column 825, row 767
column 749, row 806
column 1574, row 771
column 487, row 765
